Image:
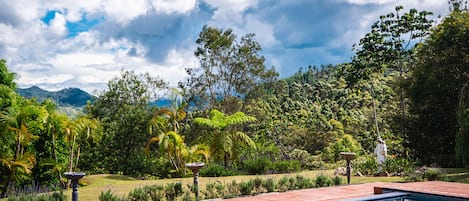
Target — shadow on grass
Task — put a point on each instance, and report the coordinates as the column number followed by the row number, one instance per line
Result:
column 457, row 177
column 120, row 177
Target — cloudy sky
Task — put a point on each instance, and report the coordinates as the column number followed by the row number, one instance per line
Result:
column 85, row 43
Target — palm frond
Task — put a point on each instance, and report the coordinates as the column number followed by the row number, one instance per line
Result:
column 242, row 137
column 148, row 145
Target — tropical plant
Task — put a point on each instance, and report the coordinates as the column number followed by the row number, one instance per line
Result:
column 222, row 138
column 19, row 121
column 82, row 130
column 166, row 124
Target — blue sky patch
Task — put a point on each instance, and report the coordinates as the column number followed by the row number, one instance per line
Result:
column 49, row 16
column 85, row 24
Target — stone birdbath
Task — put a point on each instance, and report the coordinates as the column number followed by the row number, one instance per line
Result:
column 195, row 167
column 74, row 177
column 348, row 156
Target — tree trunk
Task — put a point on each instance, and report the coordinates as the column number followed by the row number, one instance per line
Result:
column 56, row 159
column 70, row 160
column 375, row 116
column 225, row 158
column 7, row 184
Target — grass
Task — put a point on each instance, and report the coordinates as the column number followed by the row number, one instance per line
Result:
column 460, row 175
column 122, row 185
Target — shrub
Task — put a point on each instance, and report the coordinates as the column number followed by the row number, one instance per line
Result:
column 210, row 191
column 156, row 192
column 337, row 180
column 108, row 196
column 283, row 184
column 173, row 190
column 257, row 166
column 322, row 181
column 302, row 183
column 269, row 185
column 189, row 196
column 215, row 170
column 138, row 194
column 366, row 165
column 432, row 174
column 232, row 190
column 246, row 187
column 291, row 183
column 398, row 166
column 55, row 196
column 286, row 166
column 345, row 144
column 257, row 182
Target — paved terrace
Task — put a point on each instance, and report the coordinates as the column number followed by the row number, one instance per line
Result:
column 362, row 190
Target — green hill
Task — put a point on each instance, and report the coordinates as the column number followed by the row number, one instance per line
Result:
column 66, row 97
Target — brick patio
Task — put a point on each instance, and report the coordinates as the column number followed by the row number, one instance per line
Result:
column 362, row 190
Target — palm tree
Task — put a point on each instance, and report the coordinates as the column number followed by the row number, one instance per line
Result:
column 18, row 121
column 166, row 124
column 78, row 132
column 56, row 126
column 222, row 138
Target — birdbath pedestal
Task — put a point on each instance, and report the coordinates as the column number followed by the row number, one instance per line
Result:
column 348, row 156
column 195, row 167
column 74, row 177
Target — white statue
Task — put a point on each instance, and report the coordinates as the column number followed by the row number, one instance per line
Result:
column 381, row 152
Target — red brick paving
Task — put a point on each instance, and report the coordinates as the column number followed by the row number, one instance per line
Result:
column 319, row 194
column 361, row 190
column 432, row 187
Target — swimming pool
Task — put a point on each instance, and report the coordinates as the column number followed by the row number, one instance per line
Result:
column 389, row 195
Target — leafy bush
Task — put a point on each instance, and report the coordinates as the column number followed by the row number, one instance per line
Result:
column 213, row 190
column 257, row 182
column 138, row 194
column 257, row 166
column 432, row 174
column 108, row 196
column 302, row 183
column 322, row 181
column 269, row 185
column 173, row 190
column 286, row 166
column 55, row 196
column 246, row 187
column 232, row 190
column 214, row 170
column 398, row 166
column 156, row 192
column 283, row 184
column 345, row 144
column 337, row 180
column 366, row 165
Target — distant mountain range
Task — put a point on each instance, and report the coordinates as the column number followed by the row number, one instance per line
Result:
column 66, row 97
column 73, row 97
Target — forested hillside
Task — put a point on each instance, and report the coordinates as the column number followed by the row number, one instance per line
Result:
column 65, row 97
column 406, row 83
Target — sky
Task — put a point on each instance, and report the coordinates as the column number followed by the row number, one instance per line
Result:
column 85, row 43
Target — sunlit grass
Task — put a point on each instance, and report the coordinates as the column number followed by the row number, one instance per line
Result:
column 122, row 185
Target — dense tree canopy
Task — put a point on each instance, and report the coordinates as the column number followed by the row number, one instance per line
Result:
column 228, row 70
column 435, row 91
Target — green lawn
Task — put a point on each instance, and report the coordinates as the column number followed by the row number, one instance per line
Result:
column 121, row 185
